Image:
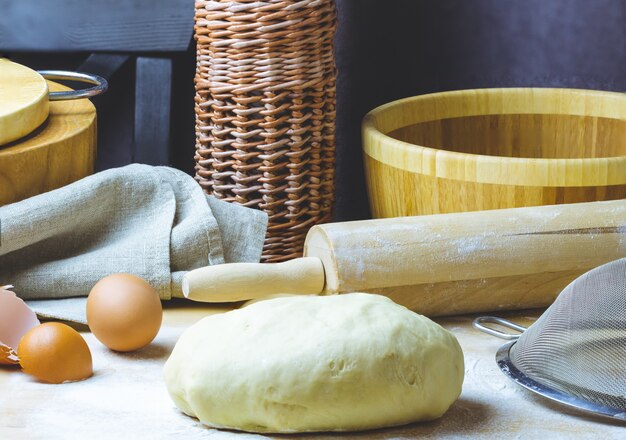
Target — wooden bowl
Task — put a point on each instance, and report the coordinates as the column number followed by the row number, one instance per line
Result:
column 484, row 149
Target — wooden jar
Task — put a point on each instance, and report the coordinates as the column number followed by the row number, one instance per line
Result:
column 485, row 149
column 61, row 151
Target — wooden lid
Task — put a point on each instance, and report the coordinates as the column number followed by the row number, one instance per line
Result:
column 23, row 101
column 62, row 150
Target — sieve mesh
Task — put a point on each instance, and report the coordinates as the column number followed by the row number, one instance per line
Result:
column 578, row 346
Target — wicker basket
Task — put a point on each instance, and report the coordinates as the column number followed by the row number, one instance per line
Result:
column 265, row 112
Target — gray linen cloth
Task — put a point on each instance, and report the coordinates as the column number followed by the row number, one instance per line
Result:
column 154, row 222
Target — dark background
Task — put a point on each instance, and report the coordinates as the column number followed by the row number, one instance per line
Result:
column 397, row 48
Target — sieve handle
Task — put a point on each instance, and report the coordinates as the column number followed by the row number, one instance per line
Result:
column 100, row 84
column 480, row 321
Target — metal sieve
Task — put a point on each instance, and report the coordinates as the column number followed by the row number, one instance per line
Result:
column 575, row 353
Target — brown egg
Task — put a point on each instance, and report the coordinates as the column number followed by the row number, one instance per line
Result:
column 55, row 353
column 124, row 312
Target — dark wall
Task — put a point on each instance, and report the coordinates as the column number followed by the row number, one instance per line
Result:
column 388, row 49
column 397, row 48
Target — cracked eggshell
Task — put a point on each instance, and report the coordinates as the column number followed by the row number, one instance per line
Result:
column 16, row 318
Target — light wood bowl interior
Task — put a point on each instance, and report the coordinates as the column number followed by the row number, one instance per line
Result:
column 495, row 148
column 521, row 135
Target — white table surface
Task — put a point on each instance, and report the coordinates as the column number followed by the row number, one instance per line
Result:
column 126, row 398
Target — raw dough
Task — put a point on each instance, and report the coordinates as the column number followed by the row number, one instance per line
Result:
column 315, row 363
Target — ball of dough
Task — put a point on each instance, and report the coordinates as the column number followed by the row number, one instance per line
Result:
column 315, row 363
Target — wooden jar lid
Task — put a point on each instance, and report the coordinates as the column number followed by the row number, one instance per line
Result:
column 23, row 101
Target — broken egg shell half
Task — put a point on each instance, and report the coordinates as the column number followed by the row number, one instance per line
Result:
column 16, row 318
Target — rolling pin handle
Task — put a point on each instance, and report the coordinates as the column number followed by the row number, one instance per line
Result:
column 243, row 281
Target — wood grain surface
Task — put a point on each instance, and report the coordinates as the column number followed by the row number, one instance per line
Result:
column 396, row 192
column 126, row 398
column 62, row 150
column 495, row 148
column 23, row 101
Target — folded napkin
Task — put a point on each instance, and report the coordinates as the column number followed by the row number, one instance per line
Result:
column 154, row 222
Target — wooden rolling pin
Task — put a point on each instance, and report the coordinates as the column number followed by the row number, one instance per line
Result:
column 437, row 264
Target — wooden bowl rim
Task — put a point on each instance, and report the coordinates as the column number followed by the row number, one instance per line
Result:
column 478, row 168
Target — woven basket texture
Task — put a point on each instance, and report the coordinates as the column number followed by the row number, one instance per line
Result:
column 265, row 112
